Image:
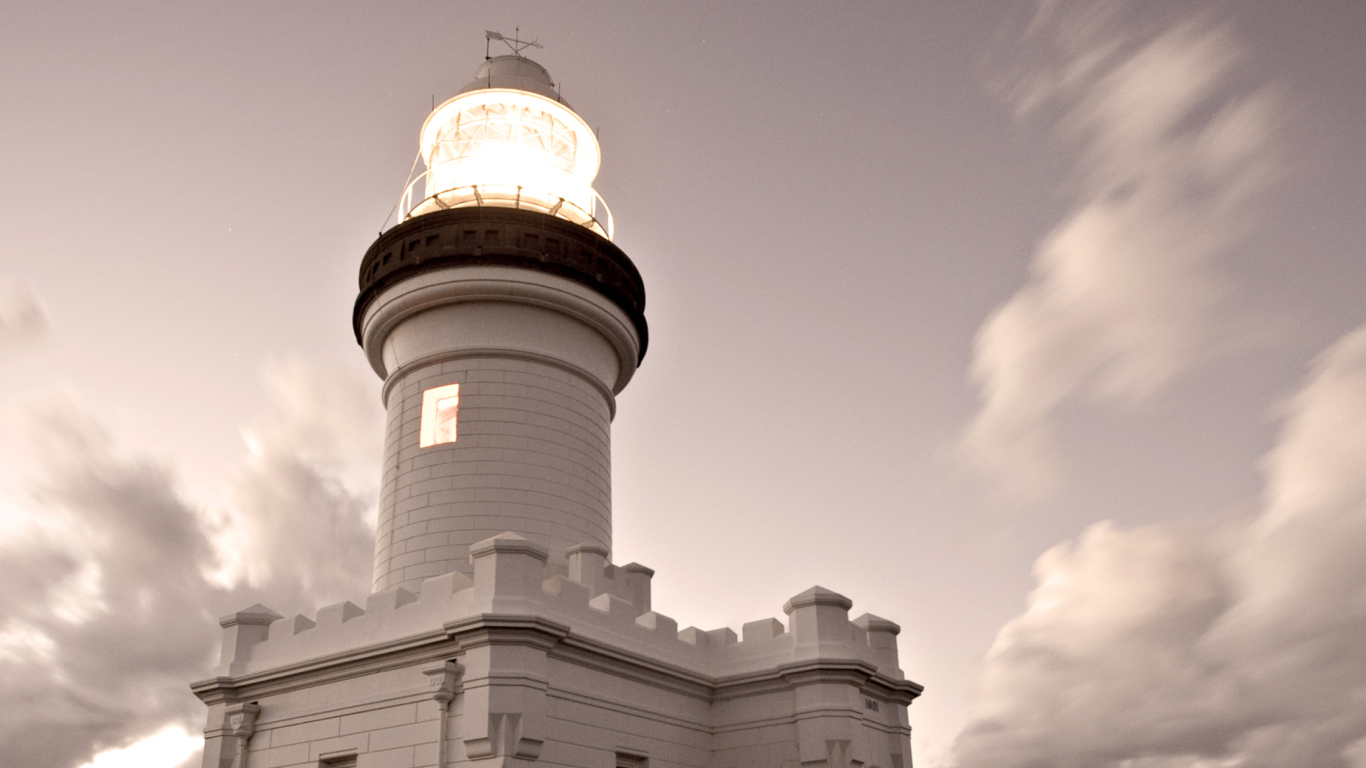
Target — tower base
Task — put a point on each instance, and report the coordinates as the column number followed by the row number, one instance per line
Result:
column 529, row 664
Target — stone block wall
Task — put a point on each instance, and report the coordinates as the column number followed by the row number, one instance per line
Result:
column 533, row 455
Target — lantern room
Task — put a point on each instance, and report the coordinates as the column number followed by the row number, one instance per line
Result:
column 508, row 140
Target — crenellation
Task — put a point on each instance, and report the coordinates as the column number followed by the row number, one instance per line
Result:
column 290, row 627
column 243, row 631
column 819, row 619
column 763, row 629
column 443, row 586
column 507, row 572
column 338, row 613
column 598, row 600
column 569, row 592
column 613, row 607
column 587, row 565
column 636, row 585
column 592, row 596
column 388, row 600
column 658, row 622
column 721, row 638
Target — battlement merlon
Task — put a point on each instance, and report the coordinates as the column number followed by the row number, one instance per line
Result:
column 242, row 631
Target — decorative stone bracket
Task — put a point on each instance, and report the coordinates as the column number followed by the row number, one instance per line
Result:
column 444, row 683
column 240, row 720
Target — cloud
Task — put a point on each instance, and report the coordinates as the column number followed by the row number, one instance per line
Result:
column 301, row 505
column 1167, row 647
column 1128, row 290
column 22, row 318
column 113, row 614
column 115, row 575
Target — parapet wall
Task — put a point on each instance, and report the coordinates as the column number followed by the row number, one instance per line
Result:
column 595, row 600
column 565, row 664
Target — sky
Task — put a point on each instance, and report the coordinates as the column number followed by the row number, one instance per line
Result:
column 1035, row 327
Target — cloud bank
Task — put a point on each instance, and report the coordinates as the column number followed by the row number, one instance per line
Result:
column 114, row 575
column 1237, row 647
column 1127, row 290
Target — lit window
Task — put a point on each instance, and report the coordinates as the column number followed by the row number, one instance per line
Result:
column 440, row 405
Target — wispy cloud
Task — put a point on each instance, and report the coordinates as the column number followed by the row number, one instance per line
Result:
column 22, row 318
column 1165, row 647
column 115, row 575
column 299, row 506
column 1127, row 290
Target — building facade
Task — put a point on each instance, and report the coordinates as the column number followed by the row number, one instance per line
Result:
column 503, row 322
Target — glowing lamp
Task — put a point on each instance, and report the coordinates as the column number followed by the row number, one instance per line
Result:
column 508, row 140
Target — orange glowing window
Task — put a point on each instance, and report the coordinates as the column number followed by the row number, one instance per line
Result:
column 440, row 406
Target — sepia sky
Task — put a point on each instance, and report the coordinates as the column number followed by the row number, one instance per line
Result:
column 1037, row 328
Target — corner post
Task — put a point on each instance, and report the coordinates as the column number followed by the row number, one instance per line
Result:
column 242, row 631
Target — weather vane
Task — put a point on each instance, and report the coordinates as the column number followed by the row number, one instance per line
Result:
column 513, row 42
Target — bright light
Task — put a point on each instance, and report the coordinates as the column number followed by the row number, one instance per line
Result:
column 510, row 148
column 440, row 410
column 167, row 748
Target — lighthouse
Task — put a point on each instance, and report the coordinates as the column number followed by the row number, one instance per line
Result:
column 503, row 322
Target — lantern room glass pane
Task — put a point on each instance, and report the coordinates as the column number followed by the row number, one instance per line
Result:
column 475, row 131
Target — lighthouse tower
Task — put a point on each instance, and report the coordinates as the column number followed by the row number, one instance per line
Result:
column 503, row 322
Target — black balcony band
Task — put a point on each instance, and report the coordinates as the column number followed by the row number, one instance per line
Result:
column 507, row 237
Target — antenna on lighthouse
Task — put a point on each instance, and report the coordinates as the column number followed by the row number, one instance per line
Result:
column 515, row 44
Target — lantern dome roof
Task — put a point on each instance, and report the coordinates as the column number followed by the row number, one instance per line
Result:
column 516, row 72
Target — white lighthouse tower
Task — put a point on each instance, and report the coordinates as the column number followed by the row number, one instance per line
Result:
column 503, row 322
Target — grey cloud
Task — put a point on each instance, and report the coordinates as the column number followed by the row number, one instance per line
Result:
column 303, row 528
column 1128, row 290
column 302, row 501
column 326, row 415
column 1184, row 648
column 22, row 318
column 110, row 609
column 124, row 615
